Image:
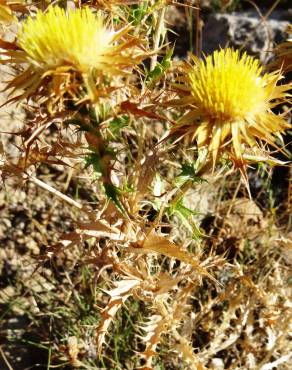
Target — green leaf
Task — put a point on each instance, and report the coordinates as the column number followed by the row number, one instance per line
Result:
column 160, row 68
column 118, row 123
column 166, row 61
column 185, row 215
column 188, row 172
column 128, row 188
column 94, row 160
column 138, row 13
column 155, row 73
column 113, row 193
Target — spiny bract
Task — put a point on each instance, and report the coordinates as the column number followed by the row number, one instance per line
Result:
column 230, row 101
column 6, row 14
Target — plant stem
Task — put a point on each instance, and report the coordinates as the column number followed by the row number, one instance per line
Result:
column 52, row 190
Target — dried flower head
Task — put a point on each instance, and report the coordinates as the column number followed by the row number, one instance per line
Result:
column 67, row 51
column 283, row 53
column 230, row 101
column 106, row 3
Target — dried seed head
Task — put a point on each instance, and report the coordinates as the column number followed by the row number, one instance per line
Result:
column 283, row 53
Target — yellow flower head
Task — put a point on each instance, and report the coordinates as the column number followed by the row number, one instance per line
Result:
column 78, row 38
column 63, row 48
column 230, row 103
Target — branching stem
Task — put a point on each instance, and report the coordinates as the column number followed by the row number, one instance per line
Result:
column 57, row 193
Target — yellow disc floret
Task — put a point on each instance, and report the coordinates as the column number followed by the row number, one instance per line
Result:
column 222, row 86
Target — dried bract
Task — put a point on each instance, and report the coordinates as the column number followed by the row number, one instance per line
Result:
column 283, row 53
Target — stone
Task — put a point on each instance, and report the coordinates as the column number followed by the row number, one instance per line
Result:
column 245, row 31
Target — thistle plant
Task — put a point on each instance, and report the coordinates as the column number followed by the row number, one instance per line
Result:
column 101, row 74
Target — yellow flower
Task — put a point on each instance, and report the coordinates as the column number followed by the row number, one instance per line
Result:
column 66, row 51
column 55, row 38
column 230, row 101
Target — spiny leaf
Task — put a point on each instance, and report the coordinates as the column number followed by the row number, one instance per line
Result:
column 159, row 244
column 113, row 193
column 118, row 296
column 189, row 172
column 160, row 68
column 94, row 160
column 186, row 217
column 118, row 123
column 138, row 12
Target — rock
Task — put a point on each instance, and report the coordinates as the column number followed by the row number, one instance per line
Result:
column 6, row 294
column 245, row 31
column 218, row 363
